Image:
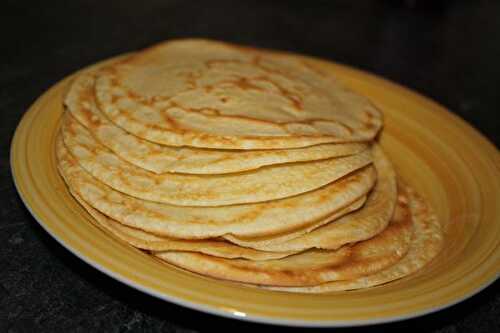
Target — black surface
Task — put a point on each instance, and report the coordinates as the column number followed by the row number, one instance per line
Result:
column 447, row 50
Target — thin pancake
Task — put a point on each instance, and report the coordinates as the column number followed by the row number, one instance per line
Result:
column 259, row 219
column 426, row 243
column 161, row 159
column 264, row 184
column 313, row 266
column 209, row 94
column 147, row 241
column 357, row 226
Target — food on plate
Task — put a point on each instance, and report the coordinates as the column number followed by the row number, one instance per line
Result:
column 242, row 164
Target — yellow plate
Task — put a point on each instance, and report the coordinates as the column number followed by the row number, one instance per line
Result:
column 445, row 159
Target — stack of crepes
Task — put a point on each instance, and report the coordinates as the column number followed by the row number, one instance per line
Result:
column 244, row 165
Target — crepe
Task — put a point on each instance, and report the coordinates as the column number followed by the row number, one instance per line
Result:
column 313, row 266
column 355, row 227
column 426, row 243
column 147, row 241
column 203, row 93
column 156, row 158
column 267, row 218
column 264, row 184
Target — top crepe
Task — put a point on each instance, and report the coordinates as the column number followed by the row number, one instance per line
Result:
column 209, row 94
column 158, row 158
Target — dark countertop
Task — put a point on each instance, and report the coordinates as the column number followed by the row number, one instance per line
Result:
column 447, row 50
